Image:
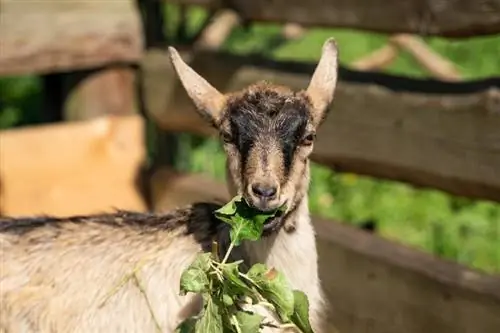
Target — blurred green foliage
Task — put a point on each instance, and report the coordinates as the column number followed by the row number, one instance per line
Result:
column 19, row 101
column 463, row 230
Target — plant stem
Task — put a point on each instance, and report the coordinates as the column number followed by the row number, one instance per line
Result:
column 220, row 276
column 267, row 305
column 236, row 324
column 143, row 292
column 122, row 282
column 246, row 277
column 226, row 257
column 215, row 250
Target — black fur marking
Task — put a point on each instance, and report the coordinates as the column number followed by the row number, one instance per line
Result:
column 198, row 219
column 267, row 115
column 290, row 131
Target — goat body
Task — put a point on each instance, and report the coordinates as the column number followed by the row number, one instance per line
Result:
column 81, row 274
column 120, row 272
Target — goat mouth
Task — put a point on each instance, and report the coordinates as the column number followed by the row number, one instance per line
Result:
column 273, row 223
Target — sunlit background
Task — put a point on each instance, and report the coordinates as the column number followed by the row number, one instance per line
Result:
column 463, row 230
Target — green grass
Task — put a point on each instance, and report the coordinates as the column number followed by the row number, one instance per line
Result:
column 459, row 229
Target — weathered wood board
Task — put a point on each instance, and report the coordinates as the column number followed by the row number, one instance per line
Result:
column 73, row 168
column 446, row 138
column 47, row 36
column 452, row 18
column 94, row 93
column 374, row 285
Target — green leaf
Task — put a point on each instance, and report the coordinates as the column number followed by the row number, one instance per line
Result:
column 227, row 319
column 275, row 288
column 231, row 273
column 227, row 299
column 221, row 294
column 187, row 326
column 243, row 229
column 300, row 316
column 246, row 222
column 229, row 208
column 211, row 319
column 195, row 278
column 249, row 322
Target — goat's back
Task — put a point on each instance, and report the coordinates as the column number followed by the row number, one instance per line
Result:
column 77, row 274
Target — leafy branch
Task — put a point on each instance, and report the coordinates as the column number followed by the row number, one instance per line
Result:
column 225, row 290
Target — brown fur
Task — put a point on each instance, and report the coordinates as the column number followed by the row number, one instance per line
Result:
column 120, row 272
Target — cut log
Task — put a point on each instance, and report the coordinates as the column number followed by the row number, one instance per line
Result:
column 374, row 285
column 73, row 168
column 47, row 36
column 424, row 132
column 450, row 18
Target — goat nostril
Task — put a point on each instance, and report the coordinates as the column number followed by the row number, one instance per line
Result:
column 264, row 191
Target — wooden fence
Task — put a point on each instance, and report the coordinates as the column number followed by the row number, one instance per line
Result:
column 104, row 61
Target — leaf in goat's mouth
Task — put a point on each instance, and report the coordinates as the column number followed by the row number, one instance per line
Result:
column 222, row 284
column 246, row 222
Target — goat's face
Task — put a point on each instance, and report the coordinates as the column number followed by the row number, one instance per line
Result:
column 267, row 131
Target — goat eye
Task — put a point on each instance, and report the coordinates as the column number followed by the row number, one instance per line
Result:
column 308, row 139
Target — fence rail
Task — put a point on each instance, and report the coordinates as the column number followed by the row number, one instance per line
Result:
column 428, row 133
column 448, row 18
column 54, row 36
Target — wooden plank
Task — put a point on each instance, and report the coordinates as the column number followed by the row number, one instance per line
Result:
column 374, row 285
column 46, row 36
column 74, row 168
column 380, row 286
column 93, row 93
column 450, row 18
column 425, row 132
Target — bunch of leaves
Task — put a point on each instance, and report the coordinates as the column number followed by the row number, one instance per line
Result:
column 226, row 291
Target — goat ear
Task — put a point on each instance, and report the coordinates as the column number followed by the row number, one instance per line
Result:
column 323, row 82
column 209, row 101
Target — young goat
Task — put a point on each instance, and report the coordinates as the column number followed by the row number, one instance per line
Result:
column 69, row 275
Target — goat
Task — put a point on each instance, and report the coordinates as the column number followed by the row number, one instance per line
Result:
column 68, row 274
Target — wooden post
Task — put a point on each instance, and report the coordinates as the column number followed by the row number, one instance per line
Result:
column 162, row 145
column 53, row 100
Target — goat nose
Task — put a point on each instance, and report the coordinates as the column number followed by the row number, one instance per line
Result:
column 264, row 191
